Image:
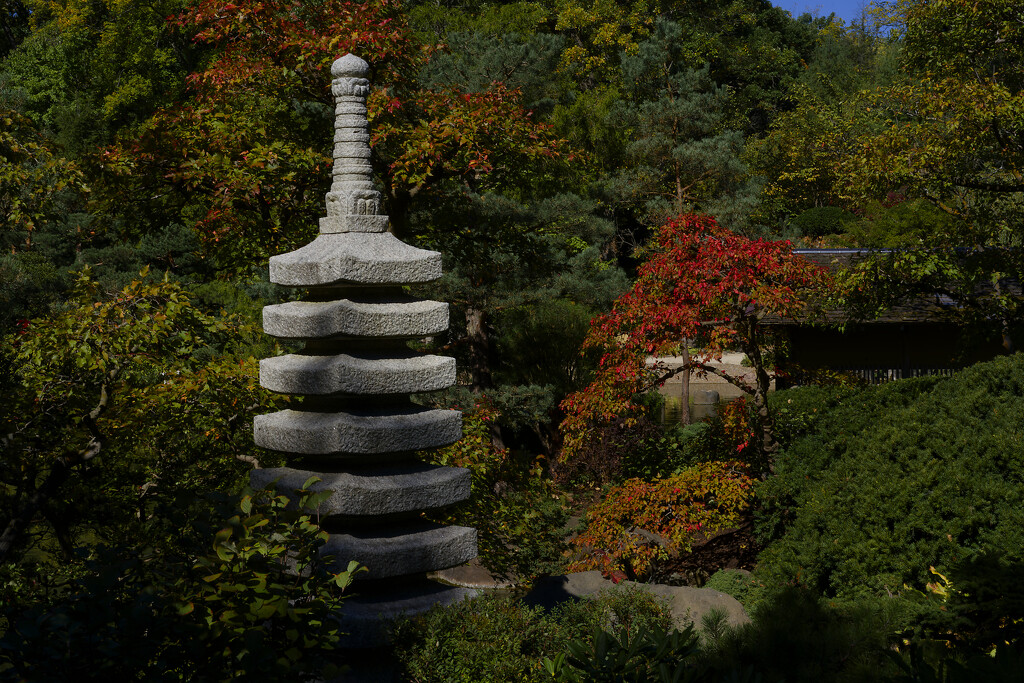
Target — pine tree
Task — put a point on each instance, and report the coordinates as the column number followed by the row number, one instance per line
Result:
column 682, row 156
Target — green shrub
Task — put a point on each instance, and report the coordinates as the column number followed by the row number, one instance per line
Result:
column 892, row 479
column 517, row 514
column 255, row 604
column 797, row 637
column 822, row 220
column 498, row 638
column 905, row 224
column 797, row 411
column 980, row 607
column 743, row 586
column 626, row 635
column 667, row 451
column 945, row 665
column 621, row 657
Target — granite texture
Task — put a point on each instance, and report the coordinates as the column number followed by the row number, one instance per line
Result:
column 356, row 374
column 399, row 551
column 310, row 433
column 376, row 487
column 380, row 491
column 350, row 66
column 357, row 258
column 364, row 618
column 353, row 223
column 384, row 317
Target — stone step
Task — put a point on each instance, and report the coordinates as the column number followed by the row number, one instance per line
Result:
column 390, row 317
column 356, row 374
column 375, row 491
column 408, row 549
column 357, row 433
column 355, row 257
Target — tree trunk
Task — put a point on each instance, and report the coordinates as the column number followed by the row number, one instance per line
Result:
column 398, row 213
column 684, row 416
column 764, row 429
column 679, row 194
column 479, row 358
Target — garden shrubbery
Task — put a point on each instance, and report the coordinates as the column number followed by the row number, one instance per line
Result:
column 626, row 635
column 513, row 506
column 642, row 522
column 890, row 480
column 878, row 494
column 496, row 638
column 245, row 597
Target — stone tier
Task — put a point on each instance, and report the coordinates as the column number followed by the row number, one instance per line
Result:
column 355, row 258
column 357, row 374
column 401, row 550
column 364, row 617
column 368, row 492
column 388, row 317
column 357, row 433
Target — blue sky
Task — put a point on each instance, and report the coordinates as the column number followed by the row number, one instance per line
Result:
column 846, row 9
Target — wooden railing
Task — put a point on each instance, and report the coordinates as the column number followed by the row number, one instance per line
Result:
column 880, row 375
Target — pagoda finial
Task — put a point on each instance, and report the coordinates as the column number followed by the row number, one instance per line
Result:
column 353, row 205
column 350, row 66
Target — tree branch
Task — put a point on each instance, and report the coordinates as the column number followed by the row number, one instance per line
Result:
column 59, row 473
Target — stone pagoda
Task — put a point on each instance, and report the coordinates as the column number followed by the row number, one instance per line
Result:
column 356, row 428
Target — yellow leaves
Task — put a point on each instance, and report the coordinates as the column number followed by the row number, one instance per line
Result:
column 640, row 522
column 600, row 30
column 941, row 588
column 937, row 134
column 573, row 17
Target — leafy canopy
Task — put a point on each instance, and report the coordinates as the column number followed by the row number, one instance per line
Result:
column 700, row 283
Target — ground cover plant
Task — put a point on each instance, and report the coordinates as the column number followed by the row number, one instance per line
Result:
column 245, row 596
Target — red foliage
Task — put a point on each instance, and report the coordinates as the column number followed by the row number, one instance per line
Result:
column 703, row 283
column 734, row 426
column 257, row 39
column 486, row 138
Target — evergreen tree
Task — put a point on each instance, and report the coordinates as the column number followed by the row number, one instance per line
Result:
column 682, row 157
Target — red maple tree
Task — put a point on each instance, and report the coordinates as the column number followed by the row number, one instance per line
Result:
column 702, row 290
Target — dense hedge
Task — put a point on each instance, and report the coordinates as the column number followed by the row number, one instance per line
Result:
column 880, row 483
